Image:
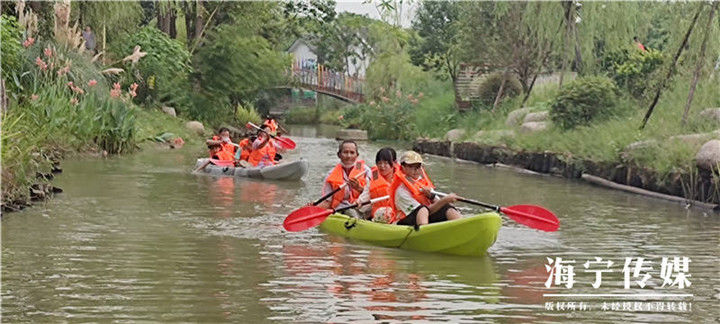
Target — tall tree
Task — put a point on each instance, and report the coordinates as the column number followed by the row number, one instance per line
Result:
column 436, row 22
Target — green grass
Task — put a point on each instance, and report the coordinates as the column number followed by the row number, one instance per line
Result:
column 606, row 140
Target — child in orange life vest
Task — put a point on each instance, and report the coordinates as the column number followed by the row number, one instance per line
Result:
column 217, row 153
column 412, row 198
column 263, row 150
column 246, row 147
column 223, row 138
column 382, row 176
column 347, row 170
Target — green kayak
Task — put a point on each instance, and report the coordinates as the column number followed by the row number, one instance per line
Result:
column 467, row 236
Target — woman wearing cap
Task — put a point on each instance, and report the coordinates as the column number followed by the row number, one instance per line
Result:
column 411, row 195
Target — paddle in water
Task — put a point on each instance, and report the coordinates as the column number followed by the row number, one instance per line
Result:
column 529, row 215
column 311, row 216
column 284, row 142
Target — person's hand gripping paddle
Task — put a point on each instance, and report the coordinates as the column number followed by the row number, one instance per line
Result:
column 532, row 216
column 285, row 142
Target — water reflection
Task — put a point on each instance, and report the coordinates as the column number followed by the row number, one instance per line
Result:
column 379, row 284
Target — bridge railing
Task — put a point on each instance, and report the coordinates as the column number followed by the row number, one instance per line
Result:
column 318, row 77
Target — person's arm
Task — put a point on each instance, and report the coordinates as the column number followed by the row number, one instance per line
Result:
column 439, row 203
column 258, row 144
column 404, row 201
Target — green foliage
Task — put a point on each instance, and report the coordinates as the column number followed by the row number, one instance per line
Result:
column 10, row 48
column 631, row 69
column 117, row 17
column 233, row 68
column 582, row 101
column 393, row 117
column 490, row 85
column 247, row 113
column 436, row 22
column 163, row 71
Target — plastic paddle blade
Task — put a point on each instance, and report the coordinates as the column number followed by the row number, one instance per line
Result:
column 286, row 142
column 306, row 217
column 532, row 216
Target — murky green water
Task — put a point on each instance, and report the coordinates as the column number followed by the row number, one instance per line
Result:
column 140, row 238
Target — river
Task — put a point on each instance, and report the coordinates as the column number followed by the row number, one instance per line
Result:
column 140, row 238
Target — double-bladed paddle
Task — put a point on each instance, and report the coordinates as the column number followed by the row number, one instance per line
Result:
column 342, row 186
column 311, row 216
column 529, row 215
column 284, row 142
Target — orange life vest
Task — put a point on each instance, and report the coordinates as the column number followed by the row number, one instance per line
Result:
column 414, row 187
column 229, row 147
column 265, row 154
column 246, row 147
column 222, row 155
column 379, row 187
column 336, row 179
column 272, row 124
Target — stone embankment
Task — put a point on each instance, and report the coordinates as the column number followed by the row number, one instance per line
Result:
column 696, row 188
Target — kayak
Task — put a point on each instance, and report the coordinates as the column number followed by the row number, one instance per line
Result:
column 284, row 171
column 470, row 236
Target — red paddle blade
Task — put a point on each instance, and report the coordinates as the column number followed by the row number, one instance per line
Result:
column 286, row 142
column 532, row 216
column 306, row 217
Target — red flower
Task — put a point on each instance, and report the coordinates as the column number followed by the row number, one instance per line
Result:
column 92, row 82
column 28, row 42
column 41, row 64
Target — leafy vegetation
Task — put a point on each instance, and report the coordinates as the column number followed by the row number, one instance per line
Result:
column 583, row 101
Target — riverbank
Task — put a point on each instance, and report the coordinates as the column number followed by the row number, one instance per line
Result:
column 699, row 189
column 28, row 174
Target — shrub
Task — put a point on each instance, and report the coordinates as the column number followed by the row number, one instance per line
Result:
column 631, row 69
column 301, row 115
column 490, row 85
column 392, row 117
column 583, row 100
column 10, row 48
column 247, row 113
column 164, row 70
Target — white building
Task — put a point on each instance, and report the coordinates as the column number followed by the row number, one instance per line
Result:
column 305, row 52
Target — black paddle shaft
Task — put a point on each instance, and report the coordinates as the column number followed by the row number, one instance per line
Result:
column 470, row 201
column 327, row 196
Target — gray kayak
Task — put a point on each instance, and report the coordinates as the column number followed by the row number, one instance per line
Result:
column 284, row 171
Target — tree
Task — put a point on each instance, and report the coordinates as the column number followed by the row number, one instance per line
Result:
column 436, row 22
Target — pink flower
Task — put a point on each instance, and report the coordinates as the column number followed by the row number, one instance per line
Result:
column 73, row 101
column 132, row 93
column 28, row 42
column 48, row 52
column 34, row 97
column 64, row 70
column 78, row 90
column 116, row 86
column 410, row 96
column 414, row 101
column 115, row 93
column 341, row 117
column 372, row 103
column 41, row 64
column 420, row 95
column 70, row 84
column 385, row 99
column 92, row 82
column 133, row 86
column 382, row 89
